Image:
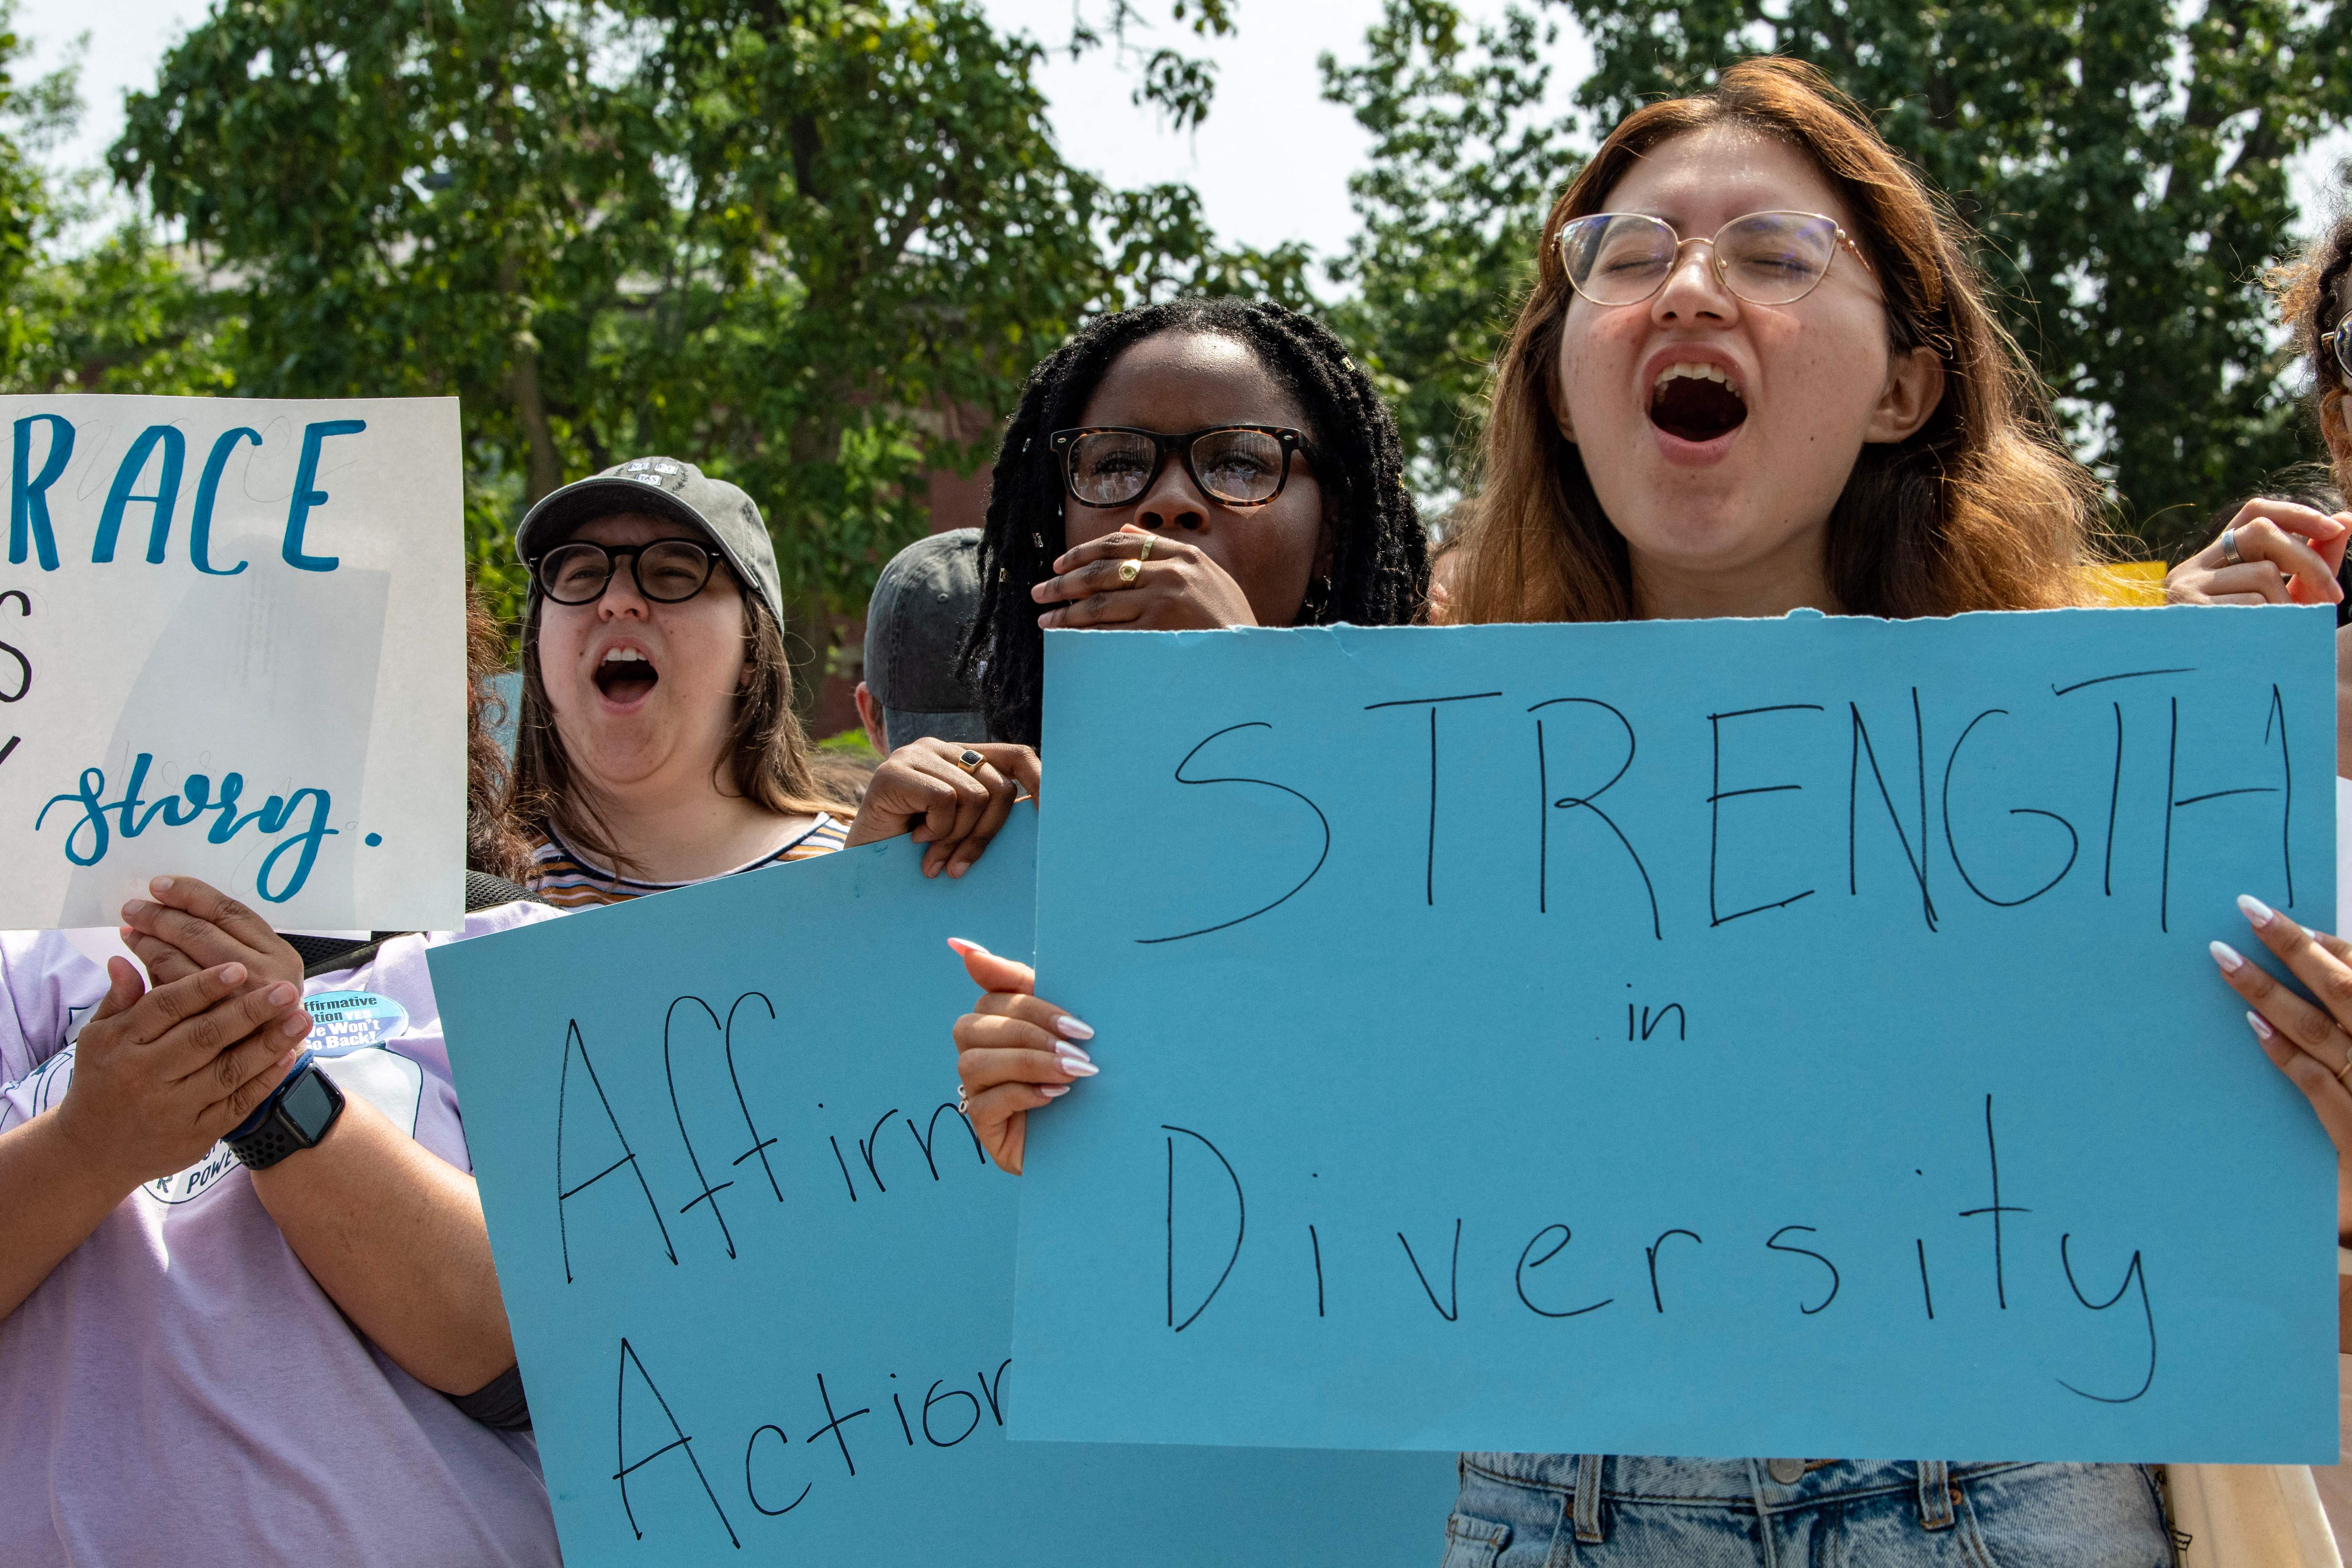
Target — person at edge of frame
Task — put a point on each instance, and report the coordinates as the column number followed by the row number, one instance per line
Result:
column 1684, row 435
column 309, row 1352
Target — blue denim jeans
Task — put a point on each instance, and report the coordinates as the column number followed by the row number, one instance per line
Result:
column 1555, row 1510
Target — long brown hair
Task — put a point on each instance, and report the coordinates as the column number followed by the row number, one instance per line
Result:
column 495, row 839
column 766, row 760
column 2309, row 292
column 1978, row 510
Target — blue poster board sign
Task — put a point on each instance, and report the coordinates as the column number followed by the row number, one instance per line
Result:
column 760, row 1279
column 1719, row 1038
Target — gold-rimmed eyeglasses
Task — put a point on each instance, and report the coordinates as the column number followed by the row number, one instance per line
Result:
column 1765, row 258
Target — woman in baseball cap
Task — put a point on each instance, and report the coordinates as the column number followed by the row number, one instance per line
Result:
column 656, row 744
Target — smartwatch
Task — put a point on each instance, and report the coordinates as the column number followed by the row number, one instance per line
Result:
column 294, row 1118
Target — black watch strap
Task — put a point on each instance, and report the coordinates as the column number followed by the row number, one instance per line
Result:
column 274, row 1132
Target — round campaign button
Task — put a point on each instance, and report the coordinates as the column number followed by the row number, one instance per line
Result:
column 344, row 1021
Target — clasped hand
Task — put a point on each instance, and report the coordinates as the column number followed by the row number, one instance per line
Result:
column 161, row 1073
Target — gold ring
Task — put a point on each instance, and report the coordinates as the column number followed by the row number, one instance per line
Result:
column 971, row 761
column 1128, row 571
column 2346, row 1068
column 1145, row 552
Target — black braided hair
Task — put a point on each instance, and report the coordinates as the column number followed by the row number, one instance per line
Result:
column 1379, row 561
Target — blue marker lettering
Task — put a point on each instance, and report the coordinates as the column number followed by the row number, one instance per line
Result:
column 307, row 494
column 200, row 526
column 88, row 839
column 165, row 500
column 28, row 496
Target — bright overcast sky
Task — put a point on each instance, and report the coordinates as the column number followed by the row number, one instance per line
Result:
column 1268, row 102
column 1271, row 164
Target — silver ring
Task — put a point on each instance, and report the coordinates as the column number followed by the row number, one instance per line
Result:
column 2230, row 548
column 963, row 1106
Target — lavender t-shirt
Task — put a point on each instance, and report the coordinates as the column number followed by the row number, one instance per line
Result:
column 180, row 1389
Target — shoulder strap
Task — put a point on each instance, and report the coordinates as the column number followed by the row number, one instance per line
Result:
column 326, row 954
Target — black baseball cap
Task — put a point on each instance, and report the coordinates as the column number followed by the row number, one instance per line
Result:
column 663, row 487
column 916, row 623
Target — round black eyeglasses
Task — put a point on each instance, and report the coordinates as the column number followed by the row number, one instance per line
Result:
column 666, row 571
column 1237, row 465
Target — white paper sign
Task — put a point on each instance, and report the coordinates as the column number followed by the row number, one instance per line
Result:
column 232, row 646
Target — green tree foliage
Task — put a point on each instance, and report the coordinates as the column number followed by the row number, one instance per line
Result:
column 2125, row 159
column 813, row 245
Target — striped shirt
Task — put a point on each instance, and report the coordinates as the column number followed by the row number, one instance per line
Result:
column 561, row 875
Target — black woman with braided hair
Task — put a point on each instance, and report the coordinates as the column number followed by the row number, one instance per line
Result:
column 1199, row 464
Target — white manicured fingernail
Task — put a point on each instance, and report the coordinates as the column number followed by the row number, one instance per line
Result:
column 1071, row 1028
column 2226, row 956
column 1054, row 1091
column 1078, row 1064
column 2261, row 1026
column 963, row 948
column 2256, row 911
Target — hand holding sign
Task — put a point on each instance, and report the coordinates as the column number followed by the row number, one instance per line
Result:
column 2307, row 1043
column 955, row 808
column 1014, row 1052
column 193, row 924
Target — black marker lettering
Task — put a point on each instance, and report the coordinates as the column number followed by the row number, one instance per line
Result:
column 2172, row 803
column 1430, row 874
column 925, row 1136
column 563, row 1194
column 1656, row 1299
column 1996, row 1208
column 1773, row 1243
column 1519, row 1275
column 759, row 1144
column 2073, row 843
column 1546, row 805
column 936, row 1397
column 709, row 1193
column 1320, row 855
column 1451, row 1308
column 1718, row 794
column 835, row 1423
column 1241, row 1226
column 995, row 1391
column 1651, row 1024
column 752, row 1490
column 865, row 1147
column 23, row 665
column 1862, row 748
column 679, row 1441
column 2134, row 1274
column 901, row 1409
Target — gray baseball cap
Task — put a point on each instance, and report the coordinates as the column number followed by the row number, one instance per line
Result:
column 662, row 486
column 922, row 609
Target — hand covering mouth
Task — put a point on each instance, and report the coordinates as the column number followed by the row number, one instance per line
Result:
column 1696, row 402
column 625, row 675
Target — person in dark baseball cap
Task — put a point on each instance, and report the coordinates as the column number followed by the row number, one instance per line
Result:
column 916, row 624
column 657, row 743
